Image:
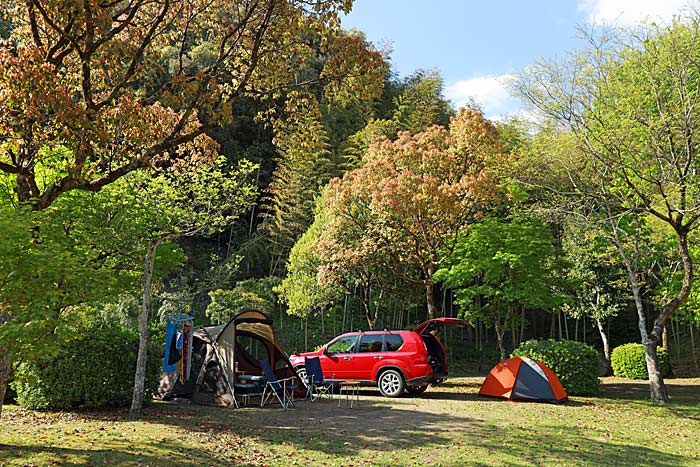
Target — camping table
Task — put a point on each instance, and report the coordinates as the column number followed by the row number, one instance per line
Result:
column 251, row 385
column 352, row 393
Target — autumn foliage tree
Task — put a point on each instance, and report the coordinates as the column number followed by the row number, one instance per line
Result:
column 91, row 91
column 411, row 197
column 123, row 85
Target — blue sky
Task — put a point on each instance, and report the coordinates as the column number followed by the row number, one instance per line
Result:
column 478, row 45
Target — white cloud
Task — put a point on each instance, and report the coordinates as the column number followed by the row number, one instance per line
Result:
column 630, row 12
column 490, row 92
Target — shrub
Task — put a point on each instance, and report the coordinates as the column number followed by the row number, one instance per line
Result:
column 575, row 363
column 94, row 370
column 628, row 361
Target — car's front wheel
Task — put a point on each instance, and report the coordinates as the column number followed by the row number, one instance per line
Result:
column 391, row 383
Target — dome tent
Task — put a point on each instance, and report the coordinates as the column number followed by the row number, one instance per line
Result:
column 218, row 352
column 524, row 379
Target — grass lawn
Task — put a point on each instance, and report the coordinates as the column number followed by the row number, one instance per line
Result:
column 448, row 425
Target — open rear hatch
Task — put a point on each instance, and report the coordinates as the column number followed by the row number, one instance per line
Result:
column 436, row 352
column 432, row 324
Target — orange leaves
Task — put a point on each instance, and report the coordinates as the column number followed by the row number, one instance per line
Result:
column 353, row 69
column 414, row 194
column 121, row 85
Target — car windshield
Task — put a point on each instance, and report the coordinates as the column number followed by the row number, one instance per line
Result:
column 343, row 345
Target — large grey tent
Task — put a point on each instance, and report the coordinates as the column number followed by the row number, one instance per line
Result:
column 219, row 351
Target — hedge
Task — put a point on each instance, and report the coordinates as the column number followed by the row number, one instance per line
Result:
column 575, row 363
column 628, row 361
column 95, row 370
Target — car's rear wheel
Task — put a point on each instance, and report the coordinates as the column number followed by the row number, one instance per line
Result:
column 391, row 383
column 416, row 390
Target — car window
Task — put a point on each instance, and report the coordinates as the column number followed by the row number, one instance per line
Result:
column 372, row 343
column 393, row 342
column 343, row 345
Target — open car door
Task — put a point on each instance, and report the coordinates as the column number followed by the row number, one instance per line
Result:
column 433, row 324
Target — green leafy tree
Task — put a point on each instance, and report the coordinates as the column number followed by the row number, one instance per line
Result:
column 421, row 104
column 249, row 294
column 204, row 202
column 303, row 168
column 301, row 289
column 630, row 100
column 598, row 274
column 47, row 275
column 500, row 266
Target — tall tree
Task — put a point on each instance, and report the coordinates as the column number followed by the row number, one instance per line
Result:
column 421, row 104
column 124, row 85
column 502, row 265
column 303, row 168
column 302, row 290
column 597, row 272
column 167, row 207
column 631, row 100
column 411, row 197
column 309, row 134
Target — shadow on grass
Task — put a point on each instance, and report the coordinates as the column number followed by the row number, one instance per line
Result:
column 639, row 390
column 325, row 427
column 571, row 448
column 375, row 427
column 69, row 457
column 442, row 429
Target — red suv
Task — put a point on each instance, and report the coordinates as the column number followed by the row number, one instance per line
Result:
column 394, row 361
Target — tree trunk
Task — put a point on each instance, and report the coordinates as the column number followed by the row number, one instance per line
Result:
column 692, row 347
column 5, row 371
column 559, row 322
column 136, row 409
column 367, row 305
column 552, row 329
column 499, row 339
column 656, row 380
column 651, row 340
column 606, row 347
column 664, row 338
column 430, row 298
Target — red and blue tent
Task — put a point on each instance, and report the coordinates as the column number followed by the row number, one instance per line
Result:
column 523, row 379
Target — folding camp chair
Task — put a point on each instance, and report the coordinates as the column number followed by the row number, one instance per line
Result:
column 316, row 385
column 280, row 389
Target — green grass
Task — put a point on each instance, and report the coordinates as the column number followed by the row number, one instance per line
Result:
column 449, row 426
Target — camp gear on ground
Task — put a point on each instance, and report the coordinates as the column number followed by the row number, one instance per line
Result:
column 216, row 350
column 279, row 389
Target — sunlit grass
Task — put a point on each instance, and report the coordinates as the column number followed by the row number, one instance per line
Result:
column 449, row 425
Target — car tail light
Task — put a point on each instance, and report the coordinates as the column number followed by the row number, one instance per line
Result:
column 423, row 356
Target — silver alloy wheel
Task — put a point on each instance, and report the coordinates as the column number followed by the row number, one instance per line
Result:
column 391, row 383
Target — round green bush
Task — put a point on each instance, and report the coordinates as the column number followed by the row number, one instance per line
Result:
column 94, row 370
column 628, row 361
column 575, row 363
